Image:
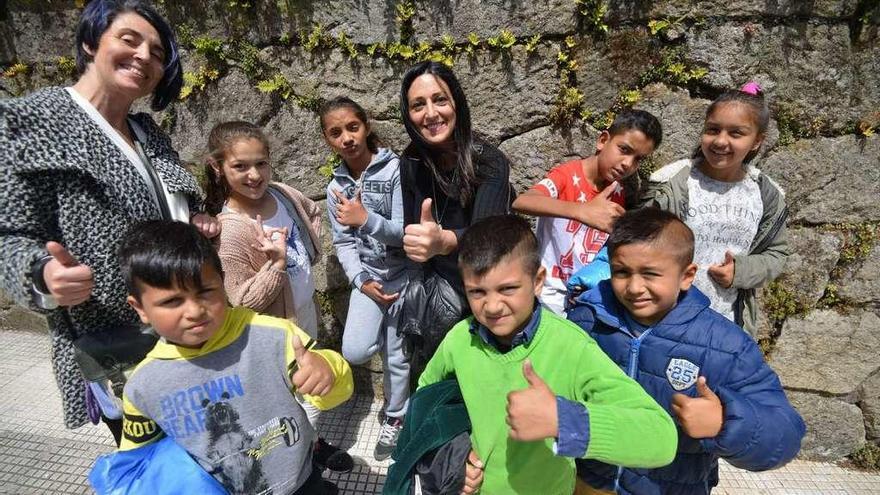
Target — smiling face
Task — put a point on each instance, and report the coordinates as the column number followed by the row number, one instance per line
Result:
column 245, row 168
column 729, row 135
column 620, row 155
column 431, row 109
column 185, row 316
column 503, row 298
column 647, row 280
column 347, row 135
column 129, row 59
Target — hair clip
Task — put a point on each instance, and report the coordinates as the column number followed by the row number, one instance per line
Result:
column 751, row 88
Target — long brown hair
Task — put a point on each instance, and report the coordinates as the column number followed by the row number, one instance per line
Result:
column 221, row 138
column 464, row 181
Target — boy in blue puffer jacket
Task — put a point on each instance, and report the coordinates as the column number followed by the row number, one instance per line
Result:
column 707, row 373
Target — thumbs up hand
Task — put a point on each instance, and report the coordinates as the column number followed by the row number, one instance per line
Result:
column 69, row 282
column 722, row 273
column 600, row 212
column 426, row 239
column 702, row 416
column 313, row 375
column 531, row 412
column 350, row 212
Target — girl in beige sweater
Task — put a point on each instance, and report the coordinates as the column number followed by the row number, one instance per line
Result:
column 269, row 240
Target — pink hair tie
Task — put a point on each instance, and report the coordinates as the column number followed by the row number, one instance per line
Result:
column 751, row 88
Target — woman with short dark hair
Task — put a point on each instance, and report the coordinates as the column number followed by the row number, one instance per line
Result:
column 77, row 170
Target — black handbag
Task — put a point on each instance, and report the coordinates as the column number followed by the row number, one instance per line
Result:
column 107, row 354
column 431, row 306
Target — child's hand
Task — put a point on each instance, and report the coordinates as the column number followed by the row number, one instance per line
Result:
column 424, row 240
column 208, row 226
column 272, row 242
column 700, row 417
column 313, row 375
column 473, row 474
column 600, row 212
column 531, row 412
column 350, row 212
column 723, row 274
column 373, row 290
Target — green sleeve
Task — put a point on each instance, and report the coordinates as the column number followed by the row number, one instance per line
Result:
column 441, row 366
column 627, row 426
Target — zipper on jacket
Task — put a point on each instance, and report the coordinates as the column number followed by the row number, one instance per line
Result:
column 631, row 368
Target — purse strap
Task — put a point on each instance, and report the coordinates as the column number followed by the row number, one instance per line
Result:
column 155, row 183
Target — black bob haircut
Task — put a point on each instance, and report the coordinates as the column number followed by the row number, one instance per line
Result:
column 161, row 253
column 639, row 120
column 98, row 15
column 488, row 241
column 654, row 226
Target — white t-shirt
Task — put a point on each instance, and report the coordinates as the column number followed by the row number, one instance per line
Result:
column 724, row 217
column 299, row 266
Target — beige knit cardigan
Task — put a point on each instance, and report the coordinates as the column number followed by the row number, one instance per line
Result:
column 249, row 277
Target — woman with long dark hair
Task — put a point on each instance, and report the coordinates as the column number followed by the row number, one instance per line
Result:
column 449, row 177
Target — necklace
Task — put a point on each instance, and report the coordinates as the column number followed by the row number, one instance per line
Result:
column 434, row 205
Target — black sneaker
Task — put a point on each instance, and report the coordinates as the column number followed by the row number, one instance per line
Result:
column 329, row 488
column 388, row 438
column 326, row 456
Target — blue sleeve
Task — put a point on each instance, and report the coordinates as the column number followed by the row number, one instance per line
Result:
column 344, row 243
column 388, row 231
column 574, row 428
column 761, row 429
column 582, row 315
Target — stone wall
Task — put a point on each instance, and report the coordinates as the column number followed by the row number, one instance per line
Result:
column 542, row 78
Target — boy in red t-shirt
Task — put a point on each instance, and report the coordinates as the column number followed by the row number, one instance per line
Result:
column 579, row 200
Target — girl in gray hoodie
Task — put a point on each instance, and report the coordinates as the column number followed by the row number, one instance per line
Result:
column 365, row 207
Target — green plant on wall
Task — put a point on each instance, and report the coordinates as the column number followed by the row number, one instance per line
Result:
column 672, row 68
column 316, row 38
column 405, row 10
column 19, row 73
column 502, row 41
column 330, row 163
column 197, row 81
column 532, row 43
column 859, row 240
column 277, row 84
column 66, row 67
column 473, row 42
column 345, row 43
column 780, row 302
column 592, row 13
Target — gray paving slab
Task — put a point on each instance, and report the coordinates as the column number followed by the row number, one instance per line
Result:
column 39, row 456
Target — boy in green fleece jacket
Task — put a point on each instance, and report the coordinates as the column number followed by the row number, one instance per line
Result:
column 517, row 360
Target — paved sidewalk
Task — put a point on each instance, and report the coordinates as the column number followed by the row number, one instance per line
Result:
column 37, row 455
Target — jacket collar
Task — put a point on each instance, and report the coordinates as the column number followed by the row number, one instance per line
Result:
column 523, row 337
column 609, row 311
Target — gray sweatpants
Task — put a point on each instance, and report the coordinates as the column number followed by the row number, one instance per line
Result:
column 370, row 327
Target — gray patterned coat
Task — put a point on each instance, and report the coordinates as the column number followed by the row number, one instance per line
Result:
column 62, row 179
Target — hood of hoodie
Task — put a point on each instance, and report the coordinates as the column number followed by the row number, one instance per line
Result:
column 607, row 309
column 382, row 156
